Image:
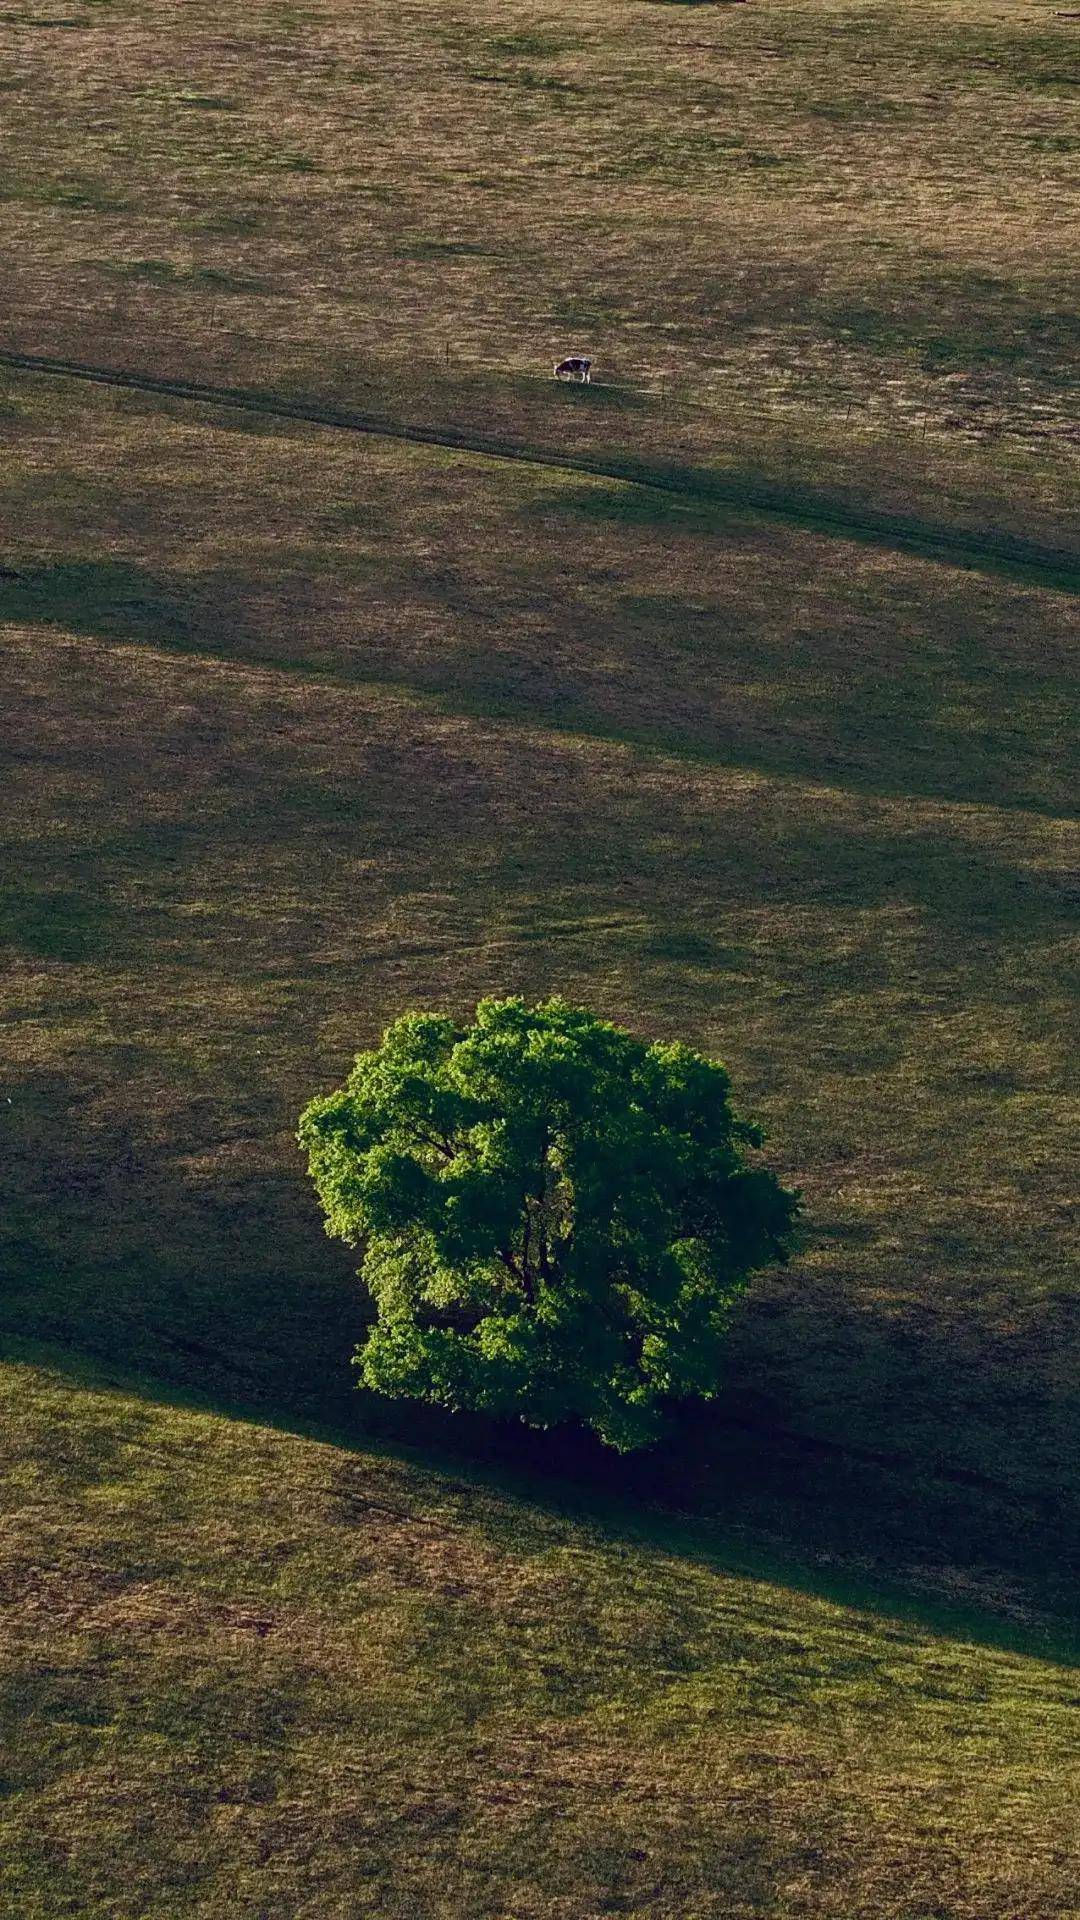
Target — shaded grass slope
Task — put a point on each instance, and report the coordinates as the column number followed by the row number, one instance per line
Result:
column 828, row 240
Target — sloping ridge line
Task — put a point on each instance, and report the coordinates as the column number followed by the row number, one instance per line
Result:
column 705, row 489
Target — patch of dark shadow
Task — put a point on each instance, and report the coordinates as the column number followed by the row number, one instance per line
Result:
column 674, row 158
column 445, row 250
column 203, row 1710
column 362, row 514
column 848, row 1232
column 852, row 109
column 81, row 196
column 110, row 598
column 656, row 608
column 226, row 223
column 975, row 53
column 50, row 1704
column 546, row 82
column 526, row 79
column 329, row 806
column 28, row 20
column 1032, row 62
column 254, row 426
column 687, row 949
column 711, row 494
column 991, row 1080
column 469, row 686
column 585, row 311
column 116, row 602
column 538, row 46
column 749, row 1467
column 974, row 893
column 965, row 325
column 55, row 924
column 467, row 689
column 597, row 394
column 36, row 1099
column 165, row 273
column 206, row 102
column 220, row 281
column 626, row 505
column 291, row 162
column 1050, row 142
column 87, row 1451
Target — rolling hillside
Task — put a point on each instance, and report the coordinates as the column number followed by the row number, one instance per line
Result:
column 735, row 696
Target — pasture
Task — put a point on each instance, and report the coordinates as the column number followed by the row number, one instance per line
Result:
column 743, row 710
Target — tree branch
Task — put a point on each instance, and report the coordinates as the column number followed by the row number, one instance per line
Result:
column 440, row 1144
column 521, row 1274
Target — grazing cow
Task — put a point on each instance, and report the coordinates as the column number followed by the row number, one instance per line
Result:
column 575, row 365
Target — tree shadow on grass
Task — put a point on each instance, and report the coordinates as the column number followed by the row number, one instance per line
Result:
column 898, row 739
column 476, row 684
column 771, row 1522
column 872, row 1513
column 157, row 1219
column 111, row 1244
column 480, row 684
column 117, row 1257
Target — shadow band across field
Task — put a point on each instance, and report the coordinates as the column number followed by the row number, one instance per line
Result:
column 125, row 609
column 805, row 508
column 121, row 602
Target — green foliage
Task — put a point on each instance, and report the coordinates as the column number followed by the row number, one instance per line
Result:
column 554, row 1218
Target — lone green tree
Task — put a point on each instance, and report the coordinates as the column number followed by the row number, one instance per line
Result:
column 553, row 1217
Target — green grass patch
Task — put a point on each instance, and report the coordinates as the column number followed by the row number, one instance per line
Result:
column 79, row 194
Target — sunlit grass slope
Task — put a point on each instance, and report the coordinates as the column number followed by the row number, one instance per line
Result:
column 253, row 1673
column 833, row 240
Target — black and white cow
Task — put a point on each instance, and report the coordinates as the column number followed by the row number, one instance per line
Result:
column 574, row 367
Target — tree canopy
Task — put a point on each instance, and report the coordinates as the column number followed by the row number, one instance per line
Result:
column 554, row 1217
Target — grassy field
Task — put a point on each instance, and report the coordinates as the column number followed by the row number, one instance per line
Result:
column 308, row 726
column 834, row 242
column 248, row 1661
